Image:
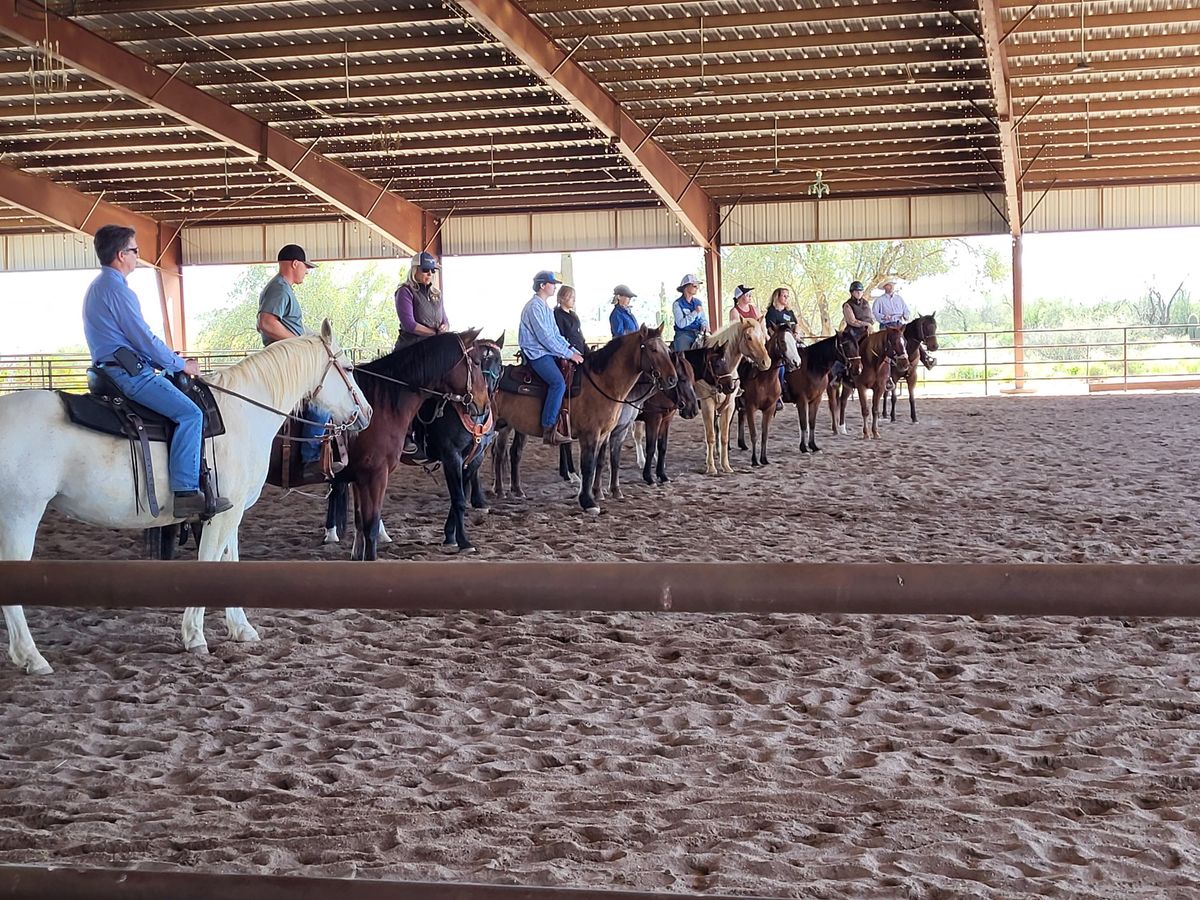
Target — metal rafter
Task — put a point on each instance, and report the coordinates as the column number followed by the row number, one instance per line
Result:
column 678, row 191
column 1010, row 157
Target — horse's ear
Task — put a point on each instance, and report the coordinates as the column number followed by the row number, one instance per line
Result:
column 468, row 337
column 326, row 331
column 654, row 332
column 500, row 340
column 933, row 315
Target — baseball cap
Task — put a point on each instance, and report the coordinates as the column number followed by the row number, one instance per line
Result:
column 545, row 277
column 623, row 290
column 740, row 291
column 294, row 252
column 688, row 279
column 425, row 262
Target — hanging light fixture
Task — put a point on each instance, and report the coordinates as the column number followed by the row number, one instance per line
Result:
column 818, row 188
column 703, row 90
column 1082, row 65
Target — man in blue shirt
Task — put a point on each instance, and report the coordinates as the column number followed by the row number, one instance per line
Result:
column 542, row 345
column 280, row 318
column 690, row 319
column 122, row 344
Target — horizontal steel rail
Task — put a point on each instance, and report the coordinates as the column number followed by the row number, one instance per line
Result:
column 873, row 589
column 70, row 883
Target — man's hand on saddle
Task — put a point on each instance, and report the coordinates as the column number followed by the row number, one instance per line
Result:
column 575, row 358
column 191, row 367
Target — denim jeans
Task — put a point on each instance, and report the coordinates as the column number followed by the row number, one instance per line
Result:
column 310, row 451
column 157, row 393
column 547, row 369
column 684, row 340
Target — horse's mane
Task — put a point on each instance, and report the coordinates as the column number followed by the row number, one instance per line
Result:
column 598, row 361
column 820, row 354
column 278, row 367
column 417, row 365
column 730, row 331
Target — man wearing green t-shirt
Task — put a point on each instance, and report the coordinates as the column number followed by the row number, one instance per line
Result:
column 279, row 318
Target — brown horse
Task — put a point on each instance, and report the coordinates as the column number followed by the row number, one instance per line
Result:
column 762, row 389
column 740, row 339
column 437, row 367
column 608, row 376
column 807, row 384
column 660, row 409
column 880, row 352
column 921, row 330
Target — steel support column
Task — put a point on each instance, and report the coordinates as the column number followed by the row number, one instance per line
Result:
column 712, row 279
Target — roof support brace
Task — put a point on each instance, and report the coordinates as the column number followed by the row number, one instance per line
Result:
column 390, row 215
column 535, row 48
column 1010, row 159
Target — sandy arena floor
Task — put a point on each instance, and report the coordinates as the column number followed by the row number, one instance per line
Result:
column 787, row 756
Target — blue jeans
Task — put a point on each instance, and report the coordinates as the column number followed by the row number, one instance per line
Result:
column 157, row 393
column 684, row 340
column 547, row 369
column 310, row 451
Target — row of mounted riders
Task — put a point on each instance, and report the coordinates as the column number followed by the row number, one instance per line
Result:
column 454, row 392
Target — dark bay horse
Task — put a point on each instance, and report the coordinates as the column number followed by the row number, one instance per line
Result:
column 880, row 352
column 921, row 330
column 807, row 384
column 761, row 390
column 608, row 376
column 660, row 409
column 437, row 368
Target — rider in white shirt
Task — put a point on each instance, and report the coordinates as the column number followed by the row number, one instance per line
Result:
column 889, row 308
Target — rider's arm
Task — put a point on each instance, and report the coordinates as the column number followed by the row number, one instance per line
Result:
column 848, row 315
column 142, row 341
column 271, row 327
column 546, row 331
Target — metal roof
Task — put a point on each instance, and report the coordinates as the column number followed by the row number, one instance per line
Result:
column 749, row 98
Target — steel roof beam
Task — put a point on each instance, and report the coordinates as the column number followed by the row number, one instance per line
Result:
column 792, row 15
column 390, row 215
column 1010, row 154
column 678, row 190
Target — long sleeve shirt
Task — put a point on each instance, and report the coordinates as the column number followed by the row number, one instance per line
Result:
column 857, row 315
column 890, row 309
column 570, row 328
column 406, row 313
column 538, row 335
column 112, row 319
column 777, row 318
column 621, row 321
column 689, row 314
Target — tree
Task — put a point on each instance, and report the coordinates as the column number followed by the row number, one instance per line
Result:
column 361, row 310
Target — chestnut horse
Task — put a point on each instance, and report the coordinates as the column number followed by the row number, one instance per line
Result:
column 740, row 339
column 880, row 352
column 608, row 375
column 806, row 385
column 397, row 384
column 761, row 390
column 660, row 409
column 921, row 330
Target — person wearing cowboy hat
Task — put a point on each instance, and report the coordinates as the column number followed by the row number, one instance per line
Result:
column 621, row 320
column 889, row 307
column 690, row 319
column 542, row 346
column 280, row 318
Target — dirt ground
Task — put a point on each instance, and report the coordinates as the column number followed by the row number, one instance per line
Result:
column 776, row 755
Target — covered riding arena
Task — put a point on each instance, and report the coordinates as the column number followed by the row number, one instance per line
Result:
column 956, row 661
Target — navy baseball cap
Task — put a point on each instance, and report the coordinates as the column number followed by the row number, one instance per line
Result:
column 545, row 277
column 295, row 252
column 425, row 262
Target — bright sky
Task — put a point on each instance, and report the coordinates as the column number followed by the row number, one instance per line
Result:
column 488, row 291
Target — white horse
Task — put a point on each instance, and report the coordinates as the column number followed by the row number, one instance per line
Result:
column 742, row 339
column 47, row 462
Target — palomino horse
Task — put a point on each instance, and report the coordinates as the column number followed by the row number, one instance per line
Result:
column 807, row 384
column 761, row 390
column 880, row 352
column 397, row 384
column 48, row 463
column 740, row 339
column 921, row 330
column 682, row 396
column 608, row 376
column 660, row 409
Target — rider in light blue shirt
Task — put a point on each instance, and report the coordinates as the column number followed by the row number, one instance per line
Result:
column 542, row 346
column 691, row 321
column 128, row 352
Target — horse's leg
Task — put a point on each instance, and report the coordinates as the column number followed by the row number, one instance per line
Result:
column 639, row 438
column 709, row 411
column 218, row 539
column 767, row 415
column 811, row 408
column 384, row 537
column 21, row 648
column 598, row 474
column 18, row 531
column 749, row 410
column 912, row 400
column 725, row 425
column 236, row 623
column 566, row 464
column 742, row 414
column 588, row 463
column 335, row 513
column 866, row 413
column 499, row 452
column 651, row 436
column 844, row 399
column 360, row 543
column 662, row 453
column 456, row 528
column 514, row 456
column 479, row 500
column 615, row 445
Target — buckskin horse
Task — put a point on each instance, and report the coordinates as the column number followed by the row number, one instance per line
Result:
column 48, row 463
column 606, row 378
column 397, row 384
column 761, row 391
column 921, row 330
column 806, row 385
column 740, row 339
column 880, row 352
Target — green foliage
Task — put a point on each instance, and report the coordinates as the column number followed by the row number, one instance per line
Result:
column 361, row 309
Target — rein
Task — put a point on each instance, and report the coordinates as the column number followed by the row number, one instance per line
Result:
column 655, row 382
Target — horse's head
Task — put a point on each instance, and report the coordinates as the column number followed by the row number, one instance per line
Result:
column 654, row 359
column 894, row 349
column 337, row 393
column 751, row 342
column 685, row 388
column 467, row 379
column 488, row 355
column 718, row 368
column 927, row 328
column 783, row 348
column 848, row 352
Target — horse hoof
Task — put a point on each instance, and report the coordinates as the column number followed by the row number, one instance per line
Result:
column 198, row 650
column 449, row 547
column 331, row 537
column 467, row 550
column 245, row 635
column 574, row 479
column 593, row 510
column 38, row 667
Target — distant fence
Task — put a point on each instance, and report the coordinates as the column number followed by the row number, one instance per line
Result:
column 969, row 362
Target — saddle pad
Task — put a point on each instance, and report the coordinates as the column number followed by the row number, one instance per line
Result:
column 106, row 412
column 523, row 380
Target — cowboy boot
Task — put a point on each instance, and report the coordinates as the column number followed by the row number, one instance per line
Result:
column 552, row 437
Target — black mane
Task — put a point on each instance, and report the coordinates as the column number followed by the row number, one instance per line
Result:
column 821, row 356
column 598, row 361
column 419, row 365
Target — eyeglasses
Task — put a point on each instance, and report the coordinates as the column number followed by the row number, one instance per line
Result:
column 130, row 250
column 429, row 271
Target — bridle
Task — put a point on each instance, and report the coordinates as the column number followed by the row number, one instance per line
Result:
column 657, row 382
column 344, row 374
column 841, row 349
column 710, row 373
